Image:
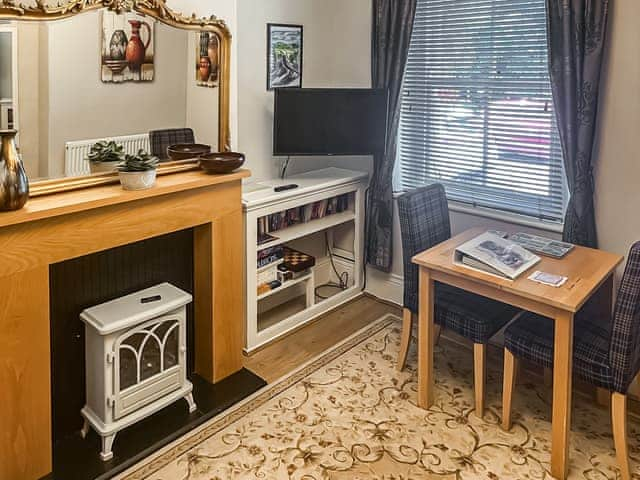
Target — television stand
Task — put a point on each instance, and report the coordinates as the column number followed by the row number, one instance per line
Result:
column 324, row 218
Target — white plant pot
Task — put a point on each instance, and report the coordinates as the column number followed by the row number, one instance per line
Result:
column 103, row 167
column 137, row 180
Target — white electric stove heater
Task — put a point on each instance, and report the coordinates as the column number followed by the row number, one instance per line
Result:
column 136, row 360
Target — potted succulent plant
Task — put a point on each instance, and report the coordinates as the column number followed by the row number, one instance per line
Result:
column 138, row 172
column 104, row 156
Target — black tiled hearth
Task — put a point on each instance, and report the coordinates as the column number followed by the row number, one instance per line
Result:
column 86, row 281
column 78, row 459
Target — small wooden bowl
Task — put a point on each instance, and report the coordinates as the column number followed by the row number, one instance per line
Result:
column 185, row 151
column 222, row 162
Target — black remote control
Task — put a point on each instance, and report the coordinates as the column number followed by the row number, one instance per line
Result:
column 284, row 188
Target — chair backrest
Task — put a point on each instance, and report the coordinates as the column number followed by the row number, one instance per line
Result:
column 424, row 222
column 162, row 139
column 624, row 355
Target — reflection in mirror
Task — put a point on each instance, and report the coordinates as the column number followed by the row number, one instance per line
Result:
column 67, row 84
column 8, row 56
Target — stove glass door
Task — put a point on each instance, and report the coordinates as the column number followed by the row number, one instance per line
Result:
column 148, row 363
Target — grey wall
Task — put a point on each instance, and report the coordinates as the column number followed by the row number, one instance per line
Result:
column 336, row 54
column 617, row 171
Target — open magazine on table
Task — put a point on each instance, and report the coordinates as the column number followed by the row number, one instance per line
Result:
column 492, row 254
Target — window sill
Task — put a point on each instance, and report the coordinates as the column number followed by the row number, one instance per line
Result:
column 506, row 217
column 501, row 216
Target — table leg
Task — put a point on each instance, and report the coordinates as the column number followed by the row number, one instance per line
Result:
column 562, row 379
column 426, row 329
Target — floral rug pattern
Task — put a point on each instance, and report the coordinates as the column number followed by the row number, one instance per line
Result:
column 352, row 415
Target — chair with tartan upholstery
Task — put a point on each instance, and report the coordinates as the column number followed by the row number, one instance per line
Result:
column 163, row 139
column 606, row 352
column 424, row 223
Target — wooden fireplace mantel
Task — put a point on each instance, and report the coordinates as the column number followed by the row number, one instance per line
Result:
column 69, row 225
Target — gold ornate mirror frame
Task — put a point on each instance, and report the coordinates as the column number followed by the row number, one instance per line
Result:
column 40, row 11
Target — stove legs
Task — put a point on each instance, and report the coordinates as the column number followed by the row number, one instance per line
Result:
column 85, row 429
column 92, row 422
column 192, row 404
column 107, row 444
column 107, row 441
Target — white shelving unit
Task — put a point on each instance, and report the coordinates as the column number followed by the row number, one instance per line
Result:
column 306, row 279
column 279, row 311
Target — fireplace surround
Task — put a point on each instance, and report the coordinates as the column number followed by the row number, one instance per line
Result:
column 69, row 225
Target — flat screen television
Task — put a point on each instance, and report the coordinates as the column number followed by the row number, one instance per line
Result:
column 311, row 121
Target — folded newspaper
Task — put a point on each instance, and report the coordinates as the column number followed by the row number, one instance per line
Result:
column 492, row 254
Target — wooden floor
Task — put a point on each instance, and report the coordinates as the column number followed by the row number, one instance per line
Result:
column 292, row 351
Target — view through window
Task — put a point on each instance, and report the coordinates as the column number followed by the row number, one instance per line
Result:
column 477, row 110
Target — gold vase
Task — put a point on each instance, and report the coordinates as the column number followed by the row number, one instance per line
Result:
column 14, row 184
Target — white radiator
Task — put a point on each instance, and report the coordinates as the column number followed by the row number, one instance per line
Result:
column 75, row 158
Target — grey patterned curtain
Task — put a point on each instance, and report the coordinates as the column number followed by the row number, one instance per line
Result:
column 392, row 27
column 577, row 31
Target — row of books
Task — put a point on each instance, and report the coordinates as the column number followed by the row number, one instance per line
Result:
column 270, row 255
column 306, row 213
column 294, row 264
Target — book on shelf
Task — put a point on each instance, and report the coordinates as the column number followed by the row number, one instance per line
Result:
column 270, row 255
column 492, row 254
column 343, row 203
column 265, row 238
column 306, row 213
column 318, row 209
column 269, row 273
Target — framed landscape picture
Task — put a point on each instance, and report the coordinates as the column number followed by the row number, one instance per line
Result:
column 284, row 56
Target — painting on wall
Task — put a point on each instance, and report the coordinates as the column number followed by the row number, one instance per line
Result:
column 127, row 48
column 208, row 60
column 284, row 56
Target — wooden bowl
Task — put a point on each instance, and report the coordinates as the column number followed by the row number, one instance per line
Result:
column 222, row 162
column 185, row 151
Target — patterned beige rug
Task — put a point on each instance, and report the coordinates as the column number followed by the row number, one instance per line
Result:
column 350, row 415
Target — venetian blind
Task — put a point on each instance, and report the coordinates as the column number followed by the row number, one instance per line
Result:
column 477, row 110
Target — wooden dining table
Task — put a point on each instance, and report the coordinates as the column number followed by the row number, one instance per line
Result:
column 588, row 271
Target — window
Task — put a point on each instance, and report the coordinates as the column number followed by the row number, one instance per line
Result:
column 477, row 110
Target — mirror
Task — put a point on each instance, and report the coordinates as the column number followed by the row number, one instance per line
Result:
column 8, row 54
column 143, row 79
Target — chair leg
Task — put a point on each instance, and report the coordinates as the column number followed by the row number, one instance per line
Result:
column 619, row 422
column 603, row 397
column 508, row 382
column 405, row 339
column 437, row 333
column 479, row 375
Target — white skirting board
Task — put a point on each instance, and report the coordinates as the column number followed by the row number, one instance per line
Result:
column 385, row 286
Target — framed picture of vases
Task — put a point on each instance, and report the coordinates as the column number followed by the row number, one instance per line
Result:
column 128, row 44
column 207, row 59
column 284, row 56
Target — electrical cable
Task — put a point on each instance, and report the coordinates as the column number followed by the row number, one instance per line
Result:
column 343, row 277
column 283, row 169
